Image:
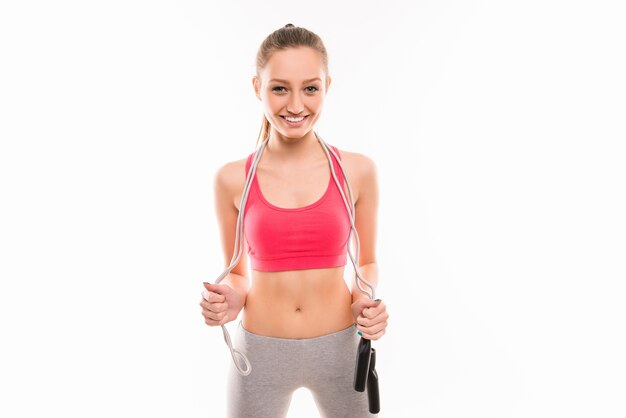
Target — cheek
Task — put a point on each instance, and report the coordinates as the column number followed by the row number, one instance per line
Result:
column 315, row 103
column 274, row 103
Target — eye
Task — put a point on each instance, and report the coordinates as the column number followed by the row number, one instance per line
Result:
column 278, row 89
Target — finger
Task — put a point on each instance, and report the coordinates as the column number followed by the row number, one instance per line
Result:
column 214, row 307
column 372, row 329
column 217, row 288
column 376, row 313
column 375, row 310
column 365, row 305
column 373, row 336
column 366, row 322
column 212, row 296
column 213, row 322
column 214, row 316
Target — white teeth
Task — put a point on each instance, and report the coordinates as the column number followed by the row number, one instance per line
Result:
column 294, row 119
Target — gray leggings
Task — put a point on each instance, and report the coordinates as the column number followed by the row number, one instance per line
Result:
column 324, row 365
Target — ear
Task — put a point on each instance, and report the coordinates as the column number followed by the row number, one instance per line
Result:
column 256, row 84
column 328, row 81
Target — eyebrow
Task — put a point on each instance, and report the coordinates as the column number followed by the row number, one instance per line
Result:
column 287, row 82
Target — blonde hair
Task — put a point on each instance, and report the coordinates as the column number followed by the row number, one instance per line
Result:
column 289, row 36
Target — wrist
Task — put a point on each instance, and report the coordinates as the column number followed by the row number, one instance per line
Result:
column 358, row 295
column 238, row 283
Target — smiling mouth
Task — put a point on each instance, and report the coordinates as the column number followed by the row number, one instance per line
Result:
column 294, row 119
column 294, row 122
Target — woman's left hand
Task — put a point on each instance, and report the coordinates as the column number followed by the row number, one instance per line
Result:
column 371, row 317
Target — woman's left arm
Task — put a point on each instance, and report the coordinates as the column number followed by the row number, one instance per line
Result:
column 371, row 315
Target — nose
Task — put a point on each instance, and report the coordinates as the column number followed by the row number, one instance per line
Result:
column 295, row 105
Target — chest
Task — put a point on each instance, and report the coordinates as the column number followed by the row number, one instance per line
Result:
column 293, row 188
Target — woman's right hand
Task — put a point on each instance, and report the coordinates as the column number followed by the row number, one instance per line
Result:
column 220, row 304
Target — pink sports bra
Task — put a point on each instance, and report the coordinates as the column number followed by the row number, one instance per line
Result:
column 308, row 237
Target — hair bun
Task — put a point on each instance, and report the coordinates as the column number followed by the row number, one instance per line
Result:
column 289, row 25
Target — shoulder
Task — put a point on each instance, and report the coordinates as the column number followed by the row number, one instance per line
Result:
column 360, row 164
column 230, row 177
column 361, row 171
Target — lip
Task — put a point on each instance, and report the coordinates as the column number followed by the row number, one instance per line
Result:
column 293, row 124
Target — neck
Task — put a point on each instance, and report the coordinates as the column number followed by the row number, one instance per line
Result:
column 285, row 148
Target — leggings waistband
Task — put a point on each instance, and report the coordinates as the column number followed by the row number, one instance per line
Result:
column 321, row 340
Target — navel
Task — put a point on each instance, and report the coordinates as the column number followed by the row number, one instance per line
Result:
column 297, row 310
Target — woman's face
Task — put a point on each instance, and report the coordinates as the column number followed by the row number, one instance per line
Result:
column 292, row 84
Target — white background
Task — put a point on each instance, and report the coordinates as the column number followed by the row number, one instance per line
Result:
column 498, row 132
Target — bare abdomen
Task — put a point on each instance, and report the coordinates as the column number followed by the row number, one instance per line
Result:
column 298, row 303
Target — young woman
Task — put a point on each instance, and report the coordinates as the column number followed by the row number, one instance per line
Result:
column 300, row 320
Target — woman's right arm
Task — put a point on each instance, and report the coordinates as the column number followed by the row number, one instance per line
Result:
column 223, row 302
